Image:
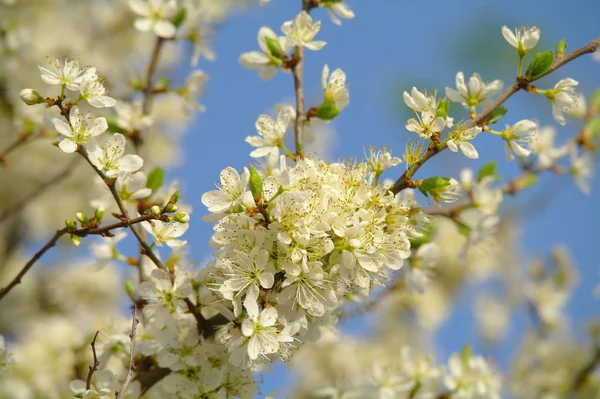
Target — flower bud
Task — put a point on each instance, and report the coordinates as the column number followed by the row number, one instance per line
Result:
column 155, row 211
column 561, row 48
column 71, row 225
column 76, row 240
column 82, row 218
column 172, row 208
column 31, row 97
column 130, row 290
column 182, row 217
column 255, row 184
column 99, row 213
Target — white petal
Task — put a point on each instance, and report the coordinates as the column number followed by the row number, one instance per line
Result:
column 510, row 37
column 68, row 146
column 130, row 163
column 62, row 127
column 469, row 150
column 164, row 29
column 143, row 24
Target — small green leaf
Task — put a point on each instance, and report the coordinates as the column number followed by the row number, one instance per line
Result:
column 496, row 115
column 155, row 179
column 255, row 184
column 432, row 184
column 274, row 47
column 466, row 353
column 112, row 124
column 442, row 109
column 595, row 102
column 489, row 169
column 527, row 180
column 179, row 18
column 130, row 290
column 561, row 48
column 540, row 64
column 327, row 111
column 462, row 228
column 424, row 238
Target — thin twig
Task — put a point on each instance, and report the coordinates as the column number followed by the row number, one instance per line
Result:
column 404, row 181
column 23, row 138
column 111, row 186
column 20, row 204
column 83, row 232
column 30, row 263
column 94, row 367
column 582, row 376
column 131, row 370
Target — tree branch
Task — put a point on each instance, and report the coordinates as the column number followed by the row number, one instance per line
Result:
column 95, row 364
column 23, row 138
column 22, row 203
column 404, row 181
column 583, row 374
column 31, row 262
column 129, row 376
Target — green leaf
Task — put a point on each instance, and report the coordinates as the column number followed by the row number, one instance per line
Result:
column 527, row 180
column 327, row 111
column 424, row 238
column 496, row 115
column 112, row 124
column 489, row 169
column 274, row 47
column 255, row 184
column 595, row 102
column 540, row 64
column 155, row 179
column 179, row 18
column 432, row 184
column 442, row 109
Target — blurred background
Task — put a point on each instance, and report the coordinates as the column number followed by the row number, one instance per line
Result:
column 388, row 48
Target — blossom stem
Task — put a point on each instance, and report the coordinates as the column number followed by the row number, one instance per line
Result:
column 300, row 114
column 404, row 181
column 131, row 369
column 94, row 367
column 520, row 68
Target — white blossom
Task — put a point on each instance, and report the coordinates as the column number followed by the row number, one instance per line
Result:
column 544, row 148
column 271, row 133
column 471, row 377
column 334, row 88
column 79, row 130
column 132, row 185
column 110, row 159
column 523, row 39
column 130, row 116
column 337, row 10
column 166, row 232
column 269, row 58
column 93, row 91
column 262, row 333
column 165, row 294
column 69, row 75
column 301, row 32
column 460, row 138
column 477, row 93
column 155, row 15
column 231, row 193
column 519, row 138
column 563, row 96
column 426, row 124
column 582, row 168
column 193, row 87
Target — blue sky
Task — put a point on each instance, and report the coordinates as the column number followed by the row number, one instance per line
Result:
column 389, row 47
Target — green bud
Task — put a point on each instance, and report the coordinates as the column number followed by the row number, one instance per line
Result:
column 137, row 84
column 466, row 353
column 76, row 240
column 71, row 225
column 255, row 184
column 31, row 97
column 130, row 290
column 155, row 211
column 327, row 111
column 561, row 48
column 82, row 218
column 99, row 213
column 182, row 217
column 163, row 83
column 274, row 47
column 540, row 64
column 171, row 208
column 174, row 197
